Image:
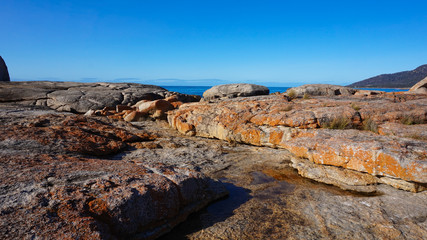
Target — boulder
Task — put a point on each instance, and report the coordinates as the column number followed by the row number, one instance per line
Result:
column 4, row 73
column 235, row 90
column 156, row 109
column 322, row 90
column 135, row 116
column 420, row 87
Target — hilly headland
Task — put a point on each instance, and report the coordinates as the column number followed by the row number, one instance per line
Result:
column 405, row 79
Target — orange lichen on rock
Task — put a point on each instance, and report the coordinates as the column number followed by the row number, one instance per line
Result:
column 275, row 137
column 268, row 121
column 98, row 206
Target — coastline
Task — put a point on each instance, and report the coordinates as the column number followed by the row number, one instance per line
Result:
column 283, row 159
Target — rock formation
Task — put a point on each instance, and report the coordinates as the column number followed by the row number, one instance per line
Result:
column 420, row 87
column 4, row 73
column 69, row 176
column 58, row 182
column 82, row 97
column 293, row 125
column 322, row 90
column 234, row 90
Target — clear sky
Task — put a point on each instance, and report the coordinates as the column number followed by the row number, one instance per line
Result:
column 275, row 43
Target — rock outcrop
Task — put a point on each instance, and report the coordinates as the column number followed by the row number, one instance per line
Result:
column 322, row 90
column 4, row 73
column 59, row 182
column 293, row 125
column 82, row 97
column 234, row 90
column 68, row 176
column 420, row 87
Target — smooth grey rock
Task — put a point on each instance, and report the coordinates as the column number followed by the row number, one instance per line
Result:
column 235, row 90
column 322, row 90
column 4, row 73
column 81, row 97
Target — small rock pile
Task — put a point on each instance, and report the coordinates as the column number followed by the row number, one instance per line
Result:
column 141, row 111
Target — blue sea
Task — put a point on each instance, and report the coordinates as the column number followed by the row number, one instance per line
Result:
column 199, row 90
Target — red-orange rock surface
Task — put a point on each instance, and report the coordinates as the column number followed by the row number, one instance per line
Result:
column 274, row 121
column 55, row 185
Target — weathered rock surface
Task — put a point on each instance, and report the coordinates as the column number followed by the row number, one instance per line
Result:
column 420, row 87
column 275, row 122
column 416, row 131
column 81, row 97
column 4, row 73
column 235, row 90
column 58, row 182
column 269, row 200
column 67, row 176
column 322, row 90
column 53, row 191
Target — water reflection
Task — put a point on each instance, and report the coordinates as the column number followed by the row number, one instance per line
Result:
column 215, row 212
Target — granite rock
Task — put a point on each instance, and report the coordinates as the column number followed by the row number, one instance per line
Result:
column 322, row 90
column 275, row 122
column 58, row 180
column 234, row 90
column 4, row 73
column 44, row 188
column 81, row 97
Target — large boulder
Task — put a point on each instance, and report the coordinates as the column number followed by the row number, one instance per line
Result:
column 4, row 74
column 420, row 87
column 235, row 90
column 322, row 90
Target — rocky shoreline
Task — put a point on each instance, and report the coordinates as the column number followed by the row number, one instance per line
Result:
column 121, row 171
column 301, row 127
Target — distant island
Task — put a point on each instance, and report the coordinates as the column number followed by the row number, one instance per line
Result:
column 405, row 79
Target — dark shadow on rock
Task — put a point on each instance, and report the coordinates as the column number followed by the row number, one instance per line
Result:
column 215, row 212
column 4, row 73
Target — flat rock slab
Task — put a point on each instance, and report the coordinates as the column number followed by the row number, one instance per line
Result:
column 273, row 121
column 57, row 180
column 81, row 97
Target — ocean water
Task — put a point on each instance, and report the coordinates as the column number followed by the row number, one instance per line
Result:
column 199, row 90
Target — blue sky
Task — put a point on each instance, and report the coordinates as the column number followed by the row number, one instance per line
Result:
column 275, row 43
